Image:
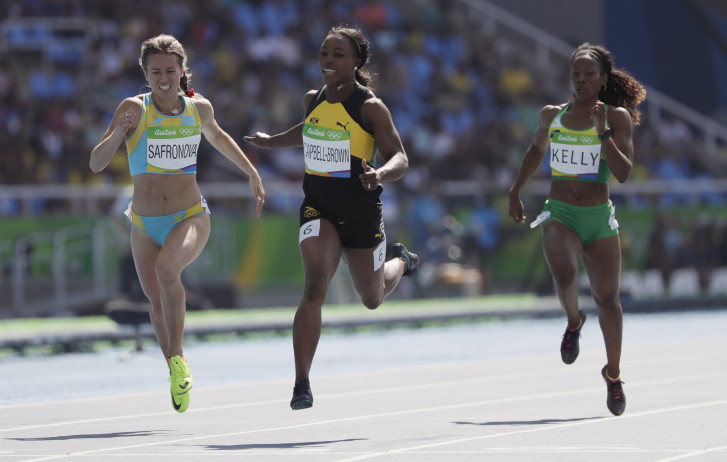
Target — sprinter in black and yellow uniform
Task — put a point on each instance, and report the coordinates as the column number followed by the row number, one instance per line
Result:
column 587, row 141
column 345, row 128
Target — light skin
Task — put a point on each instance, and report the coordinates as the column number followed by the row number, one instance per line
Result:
column 322, row 254
column 562, row 247
column 160, row 267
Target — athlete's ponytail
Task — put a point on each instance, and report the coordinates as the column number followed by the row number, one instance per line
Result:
column 621, row 88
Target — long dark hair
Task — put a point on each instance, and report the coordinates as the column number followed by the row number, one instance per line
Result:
column 361, row 47
column 621, row 88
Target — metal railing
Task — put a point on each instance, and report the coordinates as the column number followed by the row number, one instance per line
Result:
column 90, row 200
column 54, row 272
column 550, row 51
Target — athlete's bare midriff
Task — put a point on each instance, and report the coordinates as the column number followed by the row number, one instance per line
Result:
column 580, row 193
column 157, row 195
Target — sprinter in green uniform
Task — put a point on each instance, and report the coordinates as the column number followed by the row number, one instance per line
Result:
column 587, row 140
column 345, row 127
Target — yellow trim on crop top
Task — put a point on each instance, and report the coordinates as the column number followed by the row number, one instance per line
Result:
column 576, row 154
column 165, row 144
column 331, row 137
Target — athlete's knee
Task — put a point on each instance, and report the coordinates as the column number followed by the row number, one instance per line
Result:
column 565, row 279
column 316, row 287
column 372, row 302
column 608, row 301
column 167, row 275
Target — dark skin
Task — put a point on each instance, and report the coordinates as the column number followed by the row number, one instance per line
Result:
column 322, row 254
column 562, row 247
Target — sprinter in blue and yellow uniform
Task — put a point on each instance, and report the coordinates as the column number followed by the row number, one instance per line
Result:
column 587, row 141
column 345, row 128
column 162, row 130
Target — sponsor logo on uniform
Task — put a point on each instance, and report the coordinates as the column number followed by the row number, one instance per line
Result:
column 310, row 212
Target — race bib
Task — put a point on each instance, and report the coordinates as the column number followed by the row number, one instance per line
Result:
column 172, row 149
column 574, row 154
column 309, row 229
column 327, row 152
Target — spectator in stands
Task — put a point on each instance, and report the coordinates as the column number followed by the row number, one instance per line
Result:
column 589, row 139
column 162, row 130
column 344, row 127
column 664, row 246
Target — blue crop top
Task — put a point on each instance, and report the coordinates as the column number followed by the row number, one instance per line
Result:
column 165, row 144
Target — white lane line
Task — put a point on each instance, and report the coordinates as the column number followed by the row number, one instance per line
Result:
column 388, row 390
column 533, row 430
column 400, row 413
column 693, row 454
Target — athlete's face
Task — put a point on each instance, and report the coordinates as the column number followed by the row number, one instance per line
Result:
column 163, row 73
column 337, row 60
column 586, row 77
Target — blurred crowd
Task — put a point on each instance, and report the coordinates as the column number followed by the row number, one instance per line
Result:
column 463, row 102
column 464, row 99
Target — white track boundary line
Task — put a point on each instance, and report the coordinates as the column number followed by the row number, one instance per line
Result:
column 553, row 427
column 693, row 454
column 664, row 381
column 399, row 413
column 424, row 386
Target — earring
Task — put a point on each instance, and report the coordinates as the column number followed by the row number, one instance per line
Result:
column 355, row 68
column 603, row 88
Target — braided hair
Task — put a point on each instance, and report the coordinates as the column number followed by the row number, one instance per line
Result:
column 167, row 44
column 621, row 89
column 361, row 47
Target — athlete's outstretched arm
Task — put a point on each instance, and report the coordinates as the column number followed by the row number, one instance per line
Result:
column 224, row 143
column 291, row 138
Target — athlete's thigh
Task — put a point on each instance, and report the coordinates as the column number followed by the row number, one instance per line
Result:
column 366, row 267
column 602, row 261
column 145, row 251
column 320, row 249
column 185, row 242
column 561, row 245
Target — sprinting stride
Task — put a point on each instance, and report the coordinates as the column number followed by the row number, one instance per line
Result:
column 170, row 218
column 588, row 140
column 345, row 126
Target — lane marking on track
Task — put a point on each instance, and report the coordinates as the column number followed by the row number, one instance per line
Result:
column 697, row 453
column 387, row 390
column 405, row 412
column 533, row 430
